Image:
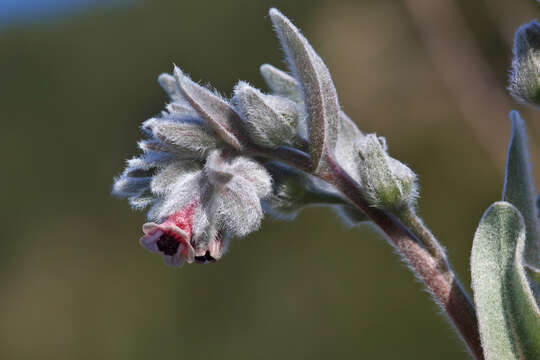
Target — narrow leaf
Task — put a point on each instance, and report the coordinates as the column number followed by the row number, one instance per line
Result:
column 320, row 96
column 519, row 188
column 280, row 82
column 220, row 116
column 509, row 318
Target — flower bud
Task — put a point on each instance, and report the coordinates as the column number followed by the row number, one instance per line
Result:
column 269, row 120
column 387, row 183
column 525, row 75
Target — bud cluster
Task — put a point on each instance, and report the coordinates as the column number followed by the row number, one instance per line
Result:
column 525, row 73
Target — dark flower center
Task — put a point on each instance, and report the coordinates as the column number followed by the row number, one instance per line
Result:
column 168, row 243
column 206, row 258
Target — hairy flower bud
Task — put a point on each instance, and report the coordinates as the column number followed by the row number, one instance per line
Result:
column 269, row 120
column 525, row 75
column 387, row 183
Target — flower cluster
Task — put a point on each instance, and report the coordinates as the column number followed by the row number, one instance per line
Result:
column 205, row 171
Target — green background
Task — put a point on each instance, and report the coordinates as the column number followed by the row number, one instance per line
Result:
column 74, row 283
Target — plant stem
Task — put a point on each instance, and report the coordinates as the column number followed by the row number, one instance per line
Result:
column 409, row 218
column 432, row 269
column 417, row 245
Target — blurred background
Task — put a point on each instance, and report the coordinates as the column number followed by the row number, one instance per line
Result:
column 78, row 77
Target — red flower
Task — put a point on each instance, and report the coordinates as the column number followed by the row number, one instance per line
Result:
column 172, row 237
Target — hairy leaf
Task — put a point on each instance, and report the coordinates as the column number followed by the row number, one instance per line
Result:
column 320, row 96
column 280, row 82
column 508, row 315
column 220, row 116
column 519, row 188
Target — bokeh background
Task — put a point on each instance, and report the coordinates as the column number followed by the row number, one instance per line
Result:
column 78, row 77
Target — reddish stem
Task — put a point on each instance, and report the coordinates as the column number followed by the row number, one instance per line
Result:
column 431, row 267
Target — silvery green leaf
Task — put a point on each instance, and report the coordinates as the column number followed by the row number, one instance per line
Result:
column 320, row 98
column 509, row 318
column 188, row 134
column 349, row 135
column 219, row 115
column 387, row 183
column 281, row 83
column 268, row 120
column 525, row 74
column 519, row 188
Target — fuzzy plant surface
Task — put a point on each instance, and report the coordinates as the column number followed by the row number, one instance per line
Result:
column 212, row 167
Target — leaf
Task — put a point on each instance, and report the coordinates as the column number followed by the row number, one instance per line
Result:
column 519, row 188
column 320, row 96
column 219, row 115
column 281, row 83
column 509, row 318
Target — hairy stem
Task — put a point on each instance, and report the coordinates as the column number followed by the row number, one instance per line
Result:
column 410, row 219
column 425, row 258
column 416, row 244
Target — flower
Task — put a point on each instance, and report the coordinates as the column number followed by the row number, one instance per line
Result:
column 201, row 191
column 172, row 237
